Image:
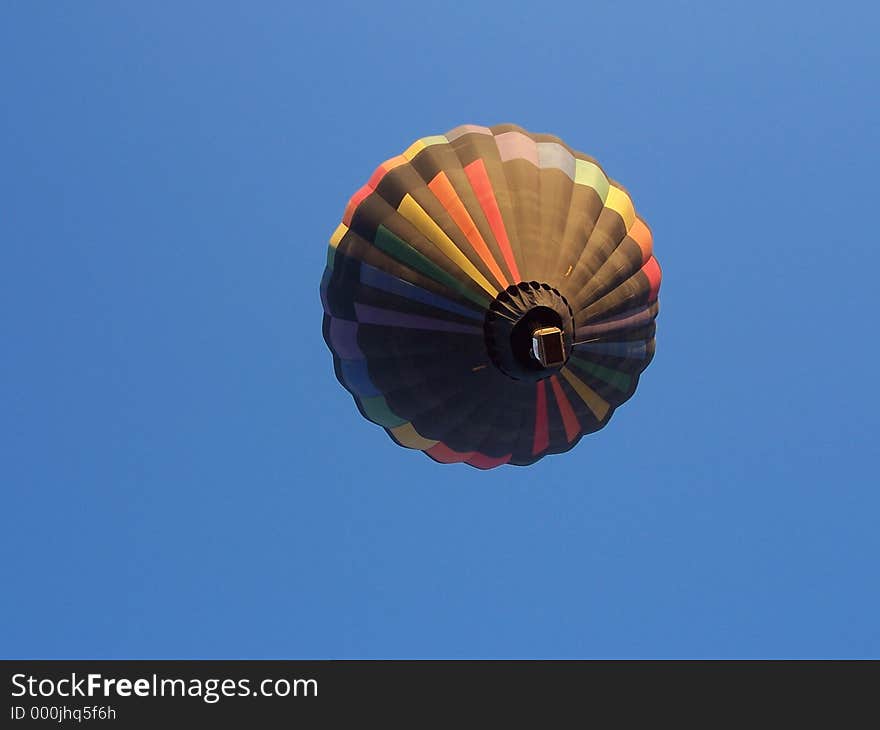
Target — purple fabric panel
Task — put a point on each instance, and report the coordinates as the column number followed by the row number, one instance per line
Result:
column 632, row 318
column 343, row 336
column 636, row 349
column 367, row 314
column 514, row 145
column 466, row 129
column 555, row 155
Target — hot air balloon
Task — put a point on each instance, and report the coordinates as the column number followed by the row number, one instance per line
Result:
column 490, row 296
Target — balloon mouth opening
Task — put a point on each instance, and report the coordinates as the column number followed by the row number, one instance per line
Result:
column 529, row 331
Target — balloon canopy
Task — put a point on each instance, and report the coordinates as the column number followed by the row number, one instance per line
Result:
column 490, row 296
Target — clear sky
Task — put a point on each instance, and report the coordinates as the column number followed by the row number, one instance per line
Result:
column 182, row 476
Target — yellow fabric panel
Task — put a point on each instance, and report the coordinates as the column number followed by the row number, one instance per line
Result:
column 594, row 402
column 416, row 215
column 340, row 231
column 406, row 435
column 620, row 202
column 420, row 144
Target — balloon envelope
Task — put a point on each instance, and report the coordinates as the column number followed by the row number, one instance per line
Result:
column 490, row 296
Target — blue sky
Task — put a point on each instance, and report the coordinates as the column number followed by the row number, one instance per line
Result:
column 184, row 477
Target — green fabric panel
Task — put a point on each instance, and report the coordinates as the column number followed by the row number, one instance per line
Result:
column 377, row 411
column 619, row 380
column 331, row 257
column 386, row 241
column 588, row 173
